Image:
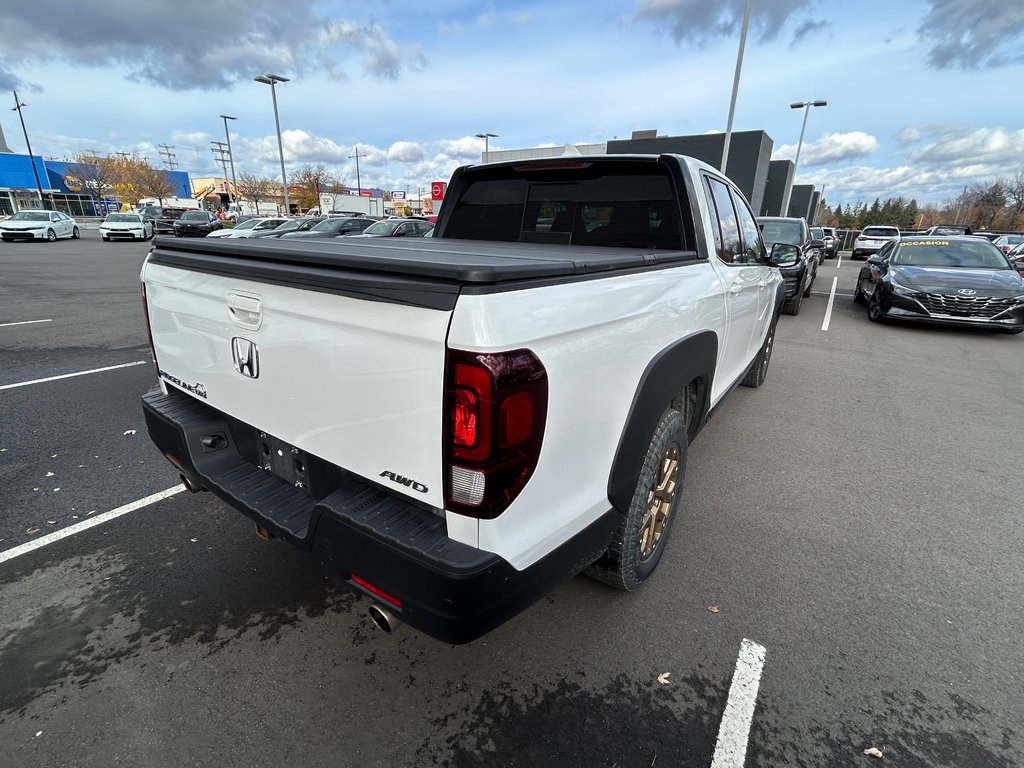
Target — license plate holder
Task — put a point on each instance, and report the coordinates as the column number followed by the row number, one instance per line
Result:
column 285, row 461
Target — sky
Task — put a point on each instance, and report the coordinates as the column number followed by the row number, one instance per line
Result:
column 923, row 95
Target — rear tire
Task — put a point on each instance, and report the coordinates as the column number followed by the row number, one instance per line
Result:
column 51, row 235
column 641, row 538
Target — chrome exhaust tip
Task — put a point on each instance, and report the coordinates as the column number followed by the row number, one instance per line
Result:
column 189, row 485
column 383, row 618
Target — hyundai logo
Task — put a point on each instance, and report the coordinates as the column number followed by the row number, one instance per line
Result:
column 967, row 291
column 246, row 357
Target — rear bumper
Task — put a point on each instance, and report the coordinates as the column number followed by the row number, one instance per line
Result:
column 446, row 589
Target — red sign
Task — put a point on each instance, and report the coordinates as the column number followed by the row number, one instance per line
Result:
column 437, row 190
column 366, row 193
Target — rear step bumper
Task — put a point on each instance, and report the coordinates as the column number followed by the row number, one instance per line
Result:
column 449, row 590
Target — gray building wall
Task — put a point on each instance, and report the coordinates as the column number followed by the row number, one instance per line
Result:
column 815, row 201
column 800, row 201
column 780, row 176
column 749, row 156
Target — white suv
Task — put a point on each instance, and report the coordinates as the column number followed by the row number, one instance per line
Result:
column 871, row 239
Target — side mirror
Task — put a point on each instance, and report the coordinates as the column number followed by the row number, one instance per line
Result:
column 817, row 243
column 878, row 261
column 784, row 255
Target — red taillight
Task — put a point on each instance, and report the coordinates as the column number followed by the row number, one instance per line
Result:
column 149, row 329
column 495, row 409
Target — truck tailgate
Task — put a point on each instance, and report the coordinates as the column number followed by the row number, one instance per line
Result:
column 353, row 379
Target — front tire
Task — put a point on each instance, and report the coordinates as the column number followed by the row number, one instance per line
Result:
column 792, row 306
column 51, row 235
column 875, row 314
column 75, row 234
column 642, row 536
column 858, row 294
column 759, row 368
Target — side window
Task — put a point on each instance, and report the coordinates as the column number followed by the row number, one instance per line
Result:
column 54, row 217
column 728, row 247
column 753, row 247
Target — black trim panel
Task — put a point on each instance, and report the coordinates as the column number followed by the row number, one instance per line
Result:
column 691, row 358
column 447, row 589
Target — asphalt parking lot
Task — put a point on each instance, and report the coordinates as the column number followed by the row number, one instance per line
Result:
column 859, row 518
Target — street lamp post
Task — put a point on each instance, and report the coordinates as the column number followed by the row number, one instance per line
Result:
column 735, row 87
column 18, row 104
column 271, row 80
column 806, row 105
column 359, row 186
column 486, row 137
column 231, row 157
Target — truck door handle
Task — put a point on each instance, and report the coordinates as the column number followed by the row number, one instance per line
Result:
column 245, row 310
column 735, row 289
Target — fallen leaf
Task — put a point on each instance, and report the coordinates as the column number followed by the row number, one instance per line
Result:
column 56, row 489
column 49, row 474
column 873, row 752
column 663, row 678
column 54, row 456
column 713, row 608
column 128, row 432
column 32, row 530
column 35, row 489
column 194, row 540
column 51, row 522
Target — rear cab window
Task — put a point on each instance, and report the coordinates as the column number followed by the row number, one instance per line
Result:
column 619, row 205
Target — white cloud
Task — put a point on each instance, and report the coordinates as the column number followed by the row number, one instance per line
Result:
column 908, row 136
column 700, row 21
column 406, row 152
column 973, row 34
column 830, row 148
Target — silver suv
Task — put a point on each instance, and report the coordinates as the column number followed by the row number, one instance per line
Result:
column 871, row 239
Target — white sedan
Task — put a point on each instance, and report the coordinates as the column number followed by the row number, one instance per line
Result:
column 38, row 225
column 127, row 226
column 258, row 225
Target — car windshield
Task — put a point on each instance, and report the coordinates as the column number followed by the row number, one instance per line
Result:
column 248, row 224
column 817, row 233
column 124, row 217
column 1009, row 239
column 269, row 224
column 948, row 253
column 194, row 216
column 330, row 225
column 880, row 232
column 382, row 228
column 30, row 216
column 782, row 232
column 950, row 230
column 288, row 226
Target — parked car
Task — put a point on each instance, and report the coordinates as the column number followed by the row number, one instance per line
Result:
column 948, row 229
column 163, row 224
column 827, row 251
column 959, row 280
column 292, row 225
column 798, row 269
column 1006, row 243
column 247, row 222
column 126, row 226
column 831, row 239
column 257, row 225
column 871, row 239
column 332, row 228
column 1016, row 258
column 397, row 228
column 31, row 224
column 197, row 224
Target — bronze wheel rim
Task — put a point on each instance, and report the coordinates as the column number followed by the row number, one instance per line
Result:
column 767, row 356
column 659, row 502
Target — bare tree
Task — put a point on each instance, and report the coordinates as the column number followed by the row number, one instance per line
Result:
column 254, row 189
column 154, row 182
column 96, row 174
column 1014, row 189
column 311, row 181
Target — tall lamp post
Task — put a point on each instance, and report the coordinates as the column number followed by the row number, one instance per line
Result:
column 231, row 157
column 806, row 106
column 359, row 186
column 271, row 80
column 486, row 137
column 18, row 104
column 735, row 86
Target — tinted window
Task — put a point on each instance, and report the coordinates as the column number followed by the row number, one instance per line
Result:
column 727, row 245
column 948, row 253
column 790, row 232
column 619, row 205
column 880, row 232
column 753, row 248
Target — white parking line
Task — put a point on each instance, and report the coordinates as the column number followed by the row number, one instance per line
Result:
column 734, row 732
column 831, row 301
column 839, row 260
column 24, row 322
column 71, row 375
column 71, row 530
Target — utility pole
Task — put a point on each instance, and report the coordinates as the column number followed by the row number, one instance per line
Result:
column 359, row 187
column 223, row 155
column 18, row 104
column 165, row 152
column 735, row 88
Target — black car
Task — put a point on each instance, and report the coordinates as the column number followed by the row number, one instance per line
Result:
column 799, row 267
column 196, row 224
column 398, row 228
column 163, row 218
column 332, row 228
column 958, row 280
column 292, row 225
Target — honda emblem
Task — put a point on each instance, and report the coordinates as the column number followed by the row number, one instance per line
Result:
column 246, row 357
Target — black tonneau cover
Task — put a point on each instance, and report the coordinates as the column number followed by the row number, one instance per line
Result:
column 462, row 262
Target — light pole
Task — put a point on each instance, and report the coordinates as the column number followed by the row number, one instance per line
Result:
column 271, row 80
column 18, row 104
column 806, row 105
column 735, row 87
column 231, row 157
column 359, row 187
column 486, row 137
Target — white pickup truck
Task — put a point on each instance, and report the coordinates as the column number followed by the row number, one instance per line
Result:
column 455, row 424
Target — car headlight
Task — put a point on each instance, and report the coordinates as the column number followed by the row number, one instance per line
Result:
column 899, row 289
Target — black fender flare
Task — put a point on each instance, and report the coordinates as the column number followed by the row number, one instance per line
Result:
column 691, row 358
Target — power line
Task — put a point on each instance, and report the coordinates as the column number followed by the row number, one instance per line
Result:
column 168, row 155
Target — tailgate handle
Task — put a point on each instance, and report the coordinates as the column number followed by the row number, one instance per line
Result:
column 246, row 310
